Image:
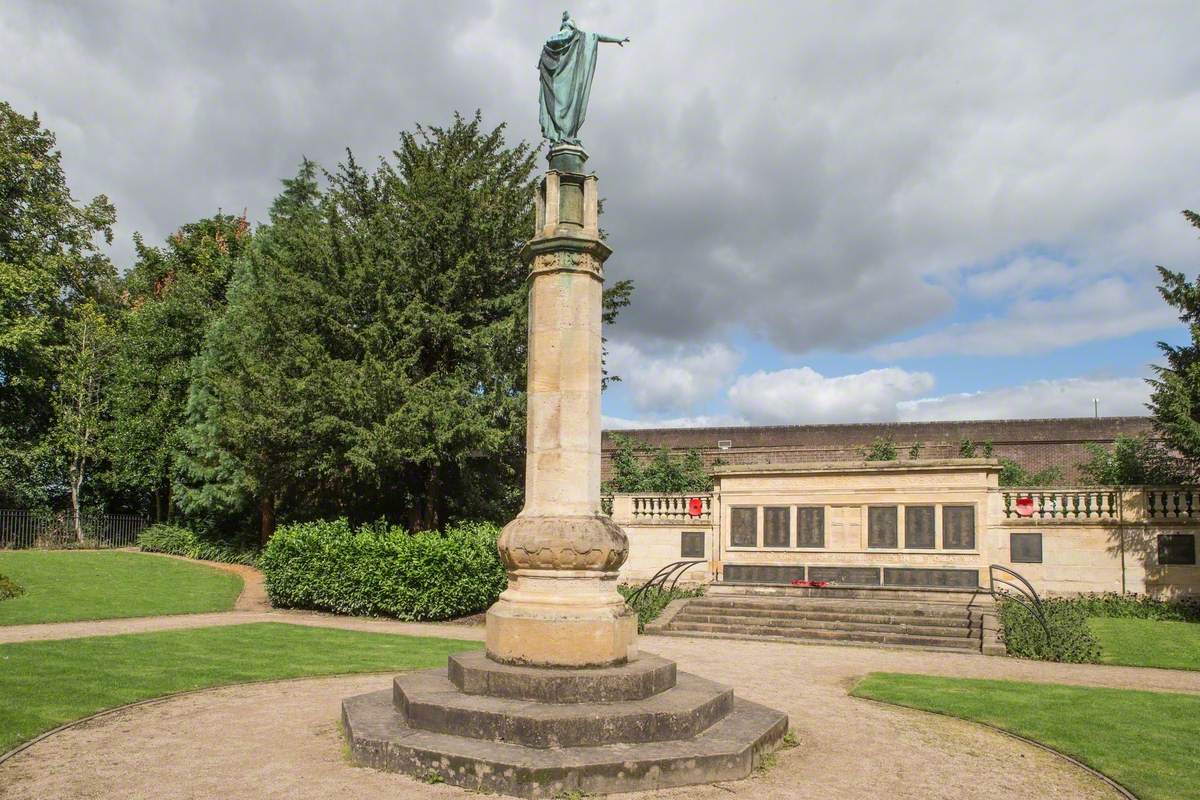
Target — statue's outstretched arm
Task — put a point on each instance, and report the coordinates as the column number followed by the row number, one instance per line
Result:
column 612, row 39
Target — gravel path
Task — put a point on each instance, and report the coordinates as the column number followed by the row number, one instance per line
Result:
column 281, row 740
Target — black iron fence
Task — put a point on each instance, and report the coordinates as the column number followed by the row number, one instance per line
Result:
column 21, row 529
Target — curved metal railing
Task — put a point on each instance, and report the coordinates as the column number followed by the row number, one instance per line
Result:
column 671, row 572
column 1020, row 592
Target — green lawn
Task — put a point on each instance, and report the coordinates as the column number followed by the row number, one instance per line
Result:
column 1148, row 643
column 65, row 585
column 45, row 684
column 1148, row 742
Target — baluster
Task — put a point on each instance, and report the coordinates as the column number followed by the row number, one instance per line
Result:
column 1151, row 496
column 1189, row 503
column 1041, row 510
column 1175, row 502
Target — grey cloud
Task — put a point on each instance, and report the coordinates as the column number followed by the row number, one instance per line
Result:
column 818, row 175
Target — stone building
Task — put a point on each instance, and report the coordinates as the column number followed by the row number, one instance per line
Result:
column 1035, row 444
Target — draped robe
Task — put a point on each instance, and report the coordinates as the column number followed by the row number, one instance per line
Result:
column 566, row 67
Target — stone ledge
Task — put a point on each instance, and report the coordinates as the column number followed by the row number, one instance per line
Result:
column 428, row 701
column 729, row 750
column 474, row 673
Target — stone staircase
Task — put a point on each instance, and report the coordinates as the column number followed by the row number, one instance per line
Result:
column 948, row 620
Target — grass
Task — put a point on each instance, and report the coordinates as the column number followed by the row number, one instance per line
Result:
column 64, row 585
column 1148, row 742
column 46, row 684
column 1147, row 642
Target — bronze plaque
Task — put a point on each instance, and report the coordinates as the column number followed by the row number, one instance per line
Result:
column 1176, row 548
column 882, row 524
column 919, row 531
column 810, row 526
column 1025, row 548
column 958, row 527
column 743, row 527
column 853, row 576
column 931, row 578
column 761, row 573
column 691, row 544
column 777, row 526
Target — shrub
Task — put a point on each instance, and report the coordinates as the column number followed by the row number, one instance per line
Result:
column 652, row 601
column 180, row 541
column 880, row 449
column 9, row 588
column 1070, row 639
column 1138, row 606
column 377, row 570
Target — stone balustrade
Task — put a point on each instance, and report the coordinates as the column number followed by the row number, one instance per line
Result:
column 667, row 509
column 1172, row 503
column 1100, row 503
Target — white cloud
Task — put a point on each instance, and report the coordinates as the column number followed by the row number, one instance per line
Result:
column 1019, row 277
column 1108, row 309
column 676, row 380
column 624, row 424
column 1068, row 397
column 802, row 396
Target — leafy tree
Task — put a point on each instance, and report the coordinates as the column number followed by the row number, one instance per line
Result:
column 637, row 468
column 1175, row 395
column 80, row 397
column 970, row 449
column 881, row 449
column 173, row 294
column 50, row 262
column 1132, row 461
column 1013, row 474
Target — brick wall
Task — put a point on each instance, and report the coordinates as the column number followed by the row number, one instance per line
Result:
column 1036, row 444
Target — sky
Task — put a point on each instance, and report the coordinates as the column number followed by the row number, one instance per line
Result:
column 832, row 212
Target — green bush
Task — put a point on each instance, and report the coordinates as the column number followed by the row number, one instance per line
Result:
column 652, row 601
column 180, row 541
column 1138, row 606
column 377, row 570
column 9, row 588
column 1070, row 638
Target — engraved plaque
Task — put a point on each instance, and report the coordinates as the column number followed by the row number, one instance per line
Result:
column 777, row 526
column 1025, row 548
column 919, row 531
column 743, row 527
column 810, row 526
column 1176, row 548
column 761, row 573
column 853, row 576
column 958, row 527
column 881, row 526
column 691, row 544
column 931, row 578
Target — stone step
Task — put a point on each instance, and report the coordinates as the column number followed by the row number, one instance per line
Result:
column 926, row 595
column 959, row 642
column 826, row 608
column 834, row 606
column 473, row 672
column 428, row 701
column 845, row 624
column 379, row 737
column 802, row 640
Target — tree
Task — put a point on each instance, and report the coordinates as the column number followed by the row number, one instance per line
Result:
column 50, row 262
column 970, row 449
column 173, row 294
column 881, row 449
column 1175, row 393
column 1013, row 474
column 636, row 468
column 80, row 398
column 1132, row 461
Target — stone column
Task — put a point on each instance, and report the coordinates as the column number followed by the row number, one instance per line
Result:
column 561, row 608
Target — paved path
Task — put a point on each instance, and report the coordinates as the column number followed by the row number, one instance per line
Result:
column 281, row 740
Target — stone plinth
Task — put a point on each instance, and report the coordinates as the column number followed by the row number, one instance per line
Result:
column 641, row 725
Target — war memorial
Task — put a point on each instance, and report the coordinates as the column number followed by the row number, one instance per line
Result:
column 562, row 700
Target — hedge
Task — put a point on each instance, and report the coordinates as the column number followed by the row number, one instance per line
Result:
column 384, row 571
column 9, row 588
column 1138, row 606
column 179, row 541
column 1070, row 638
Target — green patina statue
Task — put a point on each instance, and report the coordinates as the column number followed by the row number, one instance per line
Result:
column 567, row 65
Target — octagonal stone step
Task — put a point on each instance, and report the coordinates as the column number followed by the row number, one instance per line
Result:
column 429, row 701
column 380, row 737
column 474, row 673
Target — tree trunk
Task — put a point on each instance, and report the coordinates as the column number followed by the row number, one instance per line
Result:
column 266, row 509
column 76, row 484
column 430, row 518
